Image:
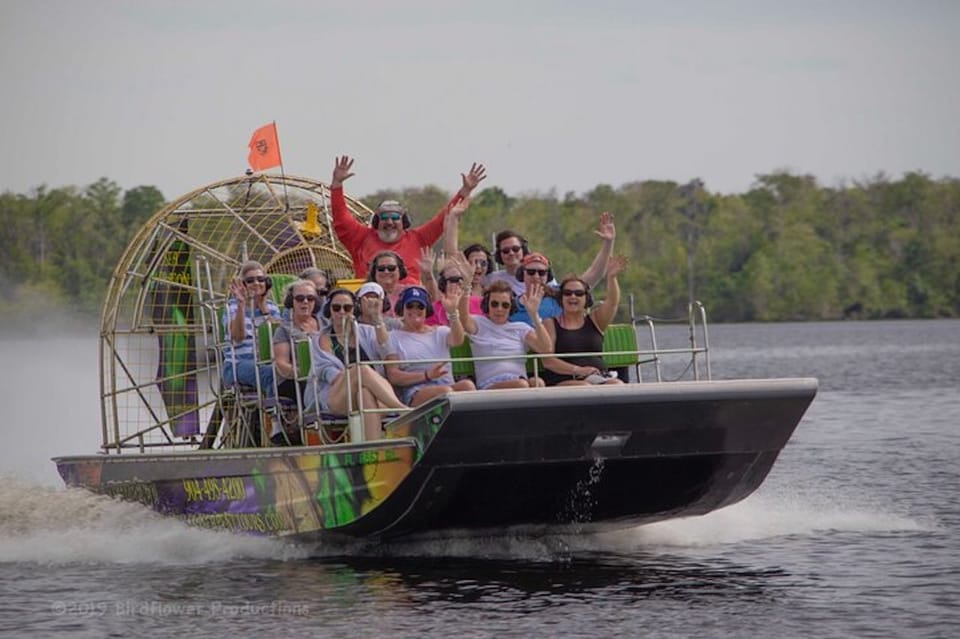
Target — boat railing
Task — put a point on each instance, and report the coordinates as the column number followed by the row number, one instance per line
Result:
column 697, row 339
column 641, row 349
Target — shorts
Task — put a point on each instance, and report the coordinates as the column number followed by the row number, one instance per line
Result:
column 407, row 396
column 502, row 377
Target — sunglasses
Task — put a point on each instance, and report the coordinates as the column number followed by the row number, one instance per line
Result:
column 511, row 249
column 346, row 308
column 305, row 298
column 390, row 216
column 576, row 293
column 456, row 279
column 323, row 292
column 258, row 278
column 387, row 267
column 480, row 263
column 535, row 271
column 499, row 304
column 415, row 305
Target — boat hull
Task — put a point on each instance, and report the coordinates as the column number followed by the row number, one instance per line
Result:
column 588, row 458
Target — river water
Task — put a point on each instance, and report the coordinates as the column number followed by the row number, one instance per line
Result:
column 856, row 532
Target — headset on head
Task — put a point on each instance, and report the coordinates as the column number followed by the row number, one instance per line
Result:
column 375, row 220
column 340, row 291
column 402, row 268
column 503, row 235
column 500, row 286
column 442, row 280
column 288, row 296
column 588, row 298
column 477, row 248
column 253, row 265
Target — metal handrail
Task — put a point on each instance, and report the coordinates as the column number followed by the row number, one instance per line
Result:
column 697, row 335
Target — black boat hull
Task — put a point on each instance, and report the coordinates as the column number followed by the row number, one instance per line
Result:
column 481, row 463
column 595, row 458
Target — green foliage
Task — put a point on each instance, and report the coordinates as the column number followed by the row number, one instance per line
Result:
column 62, row 245
column 787, row 249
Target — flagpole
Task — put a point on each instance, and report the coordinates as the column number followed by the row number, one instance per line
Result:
column 283, row 176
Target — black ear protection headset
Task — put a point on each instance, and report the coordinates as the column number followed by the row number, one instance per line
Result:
column 503, row 235
column 442, row 281
column 476, row 248
column 340, row 291
column 375, row 220
column 252, row 265
column 401, row 267
column 485, row 300
column 288, row 298
column 588, row 298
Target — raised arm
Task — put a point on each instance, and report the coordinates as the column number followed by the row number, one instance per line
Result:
column 427, row 259
column 607, row 232
column 477, row 174
column 466, row 269
column 451, row 303
column 433, row 229
column 538, row 339
column 349, row 230
column 237, row 326
column 342, row 171
column 605, row 312
column 451, row 226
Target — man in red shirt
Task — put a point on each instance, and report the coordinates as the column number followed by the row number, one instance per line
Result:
column 389, row 230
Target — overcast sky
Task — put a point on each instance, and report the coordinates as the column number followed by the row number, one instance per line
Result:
column 564, row 94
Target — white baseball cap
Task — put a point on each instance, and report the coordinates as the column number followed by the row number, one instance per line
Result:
column 370, row 287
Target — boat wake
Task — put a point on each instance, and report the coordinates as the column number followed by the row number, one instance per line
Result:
column 49, row 525
column 765, row 516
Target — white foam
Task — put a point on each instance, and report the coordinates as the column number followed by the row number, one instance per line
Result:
column 768, row 516
column 56, row 526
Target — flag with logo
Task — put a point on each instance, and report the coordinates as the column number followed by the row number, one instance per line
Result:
column 264, row 148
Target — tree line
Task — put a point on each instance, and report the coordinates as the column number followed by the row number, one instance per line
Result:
column 787, row 249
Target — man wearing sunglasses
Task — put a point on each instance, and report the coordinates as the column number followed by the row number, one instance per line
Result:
column 511, row 250
column 390, row 227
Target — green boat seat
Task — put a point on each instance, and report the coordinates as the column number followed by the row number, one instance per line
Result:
column 280, row 283
column 462, row 369
column 617, row 338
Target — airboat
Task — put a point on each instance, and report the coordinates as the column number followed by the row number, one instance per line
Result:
column 537, row 461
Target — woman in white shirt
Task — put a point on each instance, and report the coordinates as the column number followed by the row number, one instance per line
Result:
column 493, row 334
column 415, row 340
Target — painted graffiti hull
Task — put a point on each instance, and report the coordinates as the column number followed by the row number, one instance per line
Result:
column 540, row 460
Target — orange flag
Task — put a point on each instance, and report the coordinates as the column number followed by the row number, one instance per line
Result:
column 264, row 148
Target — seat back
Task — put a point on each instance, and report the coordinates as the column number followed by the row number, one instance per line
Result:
column 301, row 351
column 264, row 344
column 280, row 283
column 620, row 350
column 464, row 368
column 620, row 337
